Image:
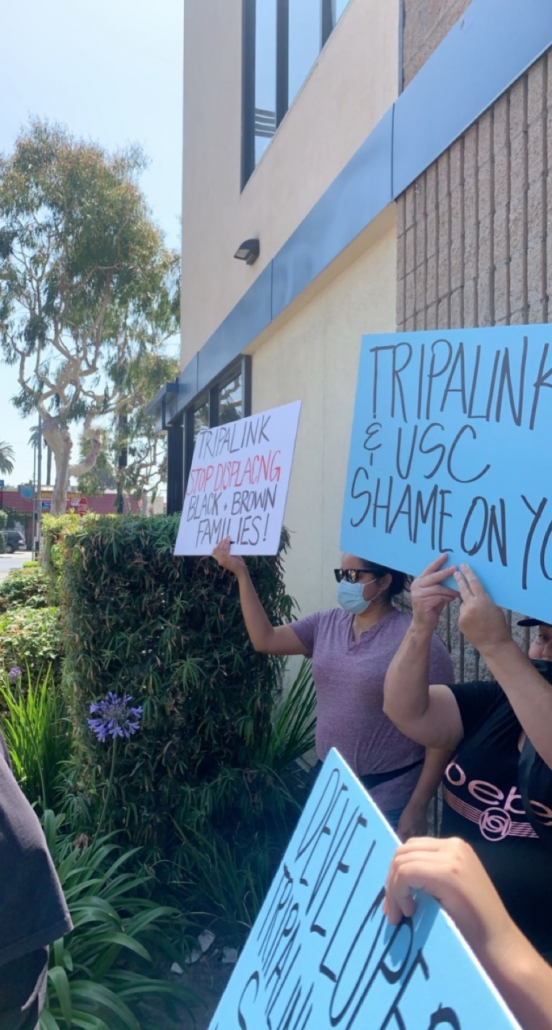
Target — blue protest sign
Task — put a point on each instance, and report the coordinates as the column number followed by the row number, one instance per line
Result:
column 450, row 452
column 321, row 953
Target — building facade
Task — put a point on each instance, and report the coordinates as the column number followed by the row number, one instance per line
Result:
column 385, row 165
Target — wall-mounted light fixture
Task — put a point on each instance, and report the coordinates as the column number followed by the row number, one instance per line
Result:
column 248, row 251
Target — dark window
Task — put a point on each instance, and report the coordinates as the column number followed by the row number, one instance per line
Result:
column 226, row 400
column 175, row 465
column 281, row 41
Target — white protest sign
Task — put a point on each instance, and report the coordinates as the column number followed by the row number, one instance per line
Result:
column 321, row 953
column 238, row 484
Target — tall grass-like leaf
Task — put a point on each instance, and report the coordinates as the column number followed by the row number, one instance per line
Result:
column 35, row 723
column 57, row 976
column 294, row 721
column 114, row 922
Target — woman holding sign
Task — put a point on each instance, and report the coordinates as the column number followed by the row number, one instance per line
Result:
column 351, row 647
column 498, row 787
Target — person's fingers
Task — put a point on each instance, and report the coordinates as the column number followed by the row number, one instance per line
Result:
column 396, row 908
column 464, row 588
column 429, row 578
column 474, row 583
column 434, row 565
column 222, row 549
column 419, row 870
column 398, row 897
column 416, row 844
column 436, row 591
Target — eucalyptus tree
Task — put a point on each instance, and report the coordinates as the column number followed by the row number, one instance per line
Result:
column 88, row 289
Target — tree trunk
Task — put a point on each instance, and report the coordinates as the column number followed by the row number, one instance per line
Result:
column 145, row 501
column 59, row 440
column 61, row 485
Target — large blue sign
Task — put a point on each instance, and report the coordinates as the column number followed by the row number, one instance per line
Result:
column 451, row 450
column 321, row 953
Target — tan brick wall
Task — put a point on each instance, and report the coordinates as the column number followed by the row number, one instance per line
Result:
column 474, row 246
column 425, row 25
column 473, row 240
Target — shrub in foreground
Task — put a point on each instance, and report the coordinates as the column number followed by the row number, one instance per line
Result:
column 168, row 632
column 24, row 587
column 31, row 639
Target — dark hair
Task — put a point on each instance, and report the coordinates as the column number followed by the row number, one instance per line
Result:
column 399, row 580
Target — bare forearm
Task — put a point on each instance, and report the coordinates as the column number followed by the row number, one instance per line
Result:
column 527, row 691
column 436, row 761
column 522, row 977
column 257, row 623
column 406, row 691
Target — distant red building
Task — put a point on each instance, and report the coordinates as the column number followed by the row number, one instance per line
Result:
column 101, row 504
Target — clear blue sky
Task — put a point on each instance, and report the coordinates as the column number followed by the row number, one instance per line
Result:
column 111, row 71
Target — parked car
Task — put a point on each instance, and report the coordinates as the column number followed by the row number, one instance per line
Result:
column 15, row 541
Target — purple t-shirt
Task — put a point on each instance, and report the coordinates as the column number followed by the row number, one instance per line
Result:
column 349, row 676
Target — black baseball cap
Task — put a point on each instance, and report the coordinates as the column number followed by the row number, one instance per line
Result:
column 533, row 622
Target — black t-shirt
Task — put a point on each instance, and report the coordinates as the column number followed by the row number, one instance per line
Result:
column 483, row 790
column 33, row 912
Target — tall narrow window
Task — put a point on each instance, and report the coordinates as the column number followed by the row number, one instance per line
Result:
column 265, row 75
column 338, row 8
column 281, row 42
column 305, row 36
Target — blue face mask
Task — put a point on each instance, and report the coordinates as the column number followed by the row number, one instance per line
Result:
column 349, row 596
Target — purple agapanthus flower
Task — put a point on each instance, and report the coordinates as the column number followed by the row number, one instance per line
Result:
column 114, row 717
column 14, row 674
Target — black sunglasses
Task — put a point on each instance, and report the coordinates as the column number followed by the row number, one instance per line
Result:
column 352, row 575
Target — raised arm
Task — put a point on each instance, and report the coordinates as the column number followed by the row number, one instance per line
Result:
column 427, row 713
column 451, row 872
column 529, row 694
column 263, row 635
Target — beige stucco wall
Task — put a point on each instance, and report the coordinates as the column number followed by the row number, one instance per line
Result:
column 349, row 89
column 313, row 357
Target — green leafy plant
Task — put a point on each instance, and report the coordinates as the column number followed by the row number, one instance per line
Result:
column 225, row 882
column 24, row 587
column 291, row 732
column 31, row 637
column 103, row 975
column 224, row 877
column 36, row 726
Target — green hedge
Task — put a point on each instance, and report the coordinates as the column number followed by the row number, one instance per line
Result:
column 169, row 632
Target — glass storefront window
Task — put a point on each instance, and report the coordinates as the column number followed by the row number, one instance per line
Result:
column 231, row 401
column 224, row 400
column 201, row 419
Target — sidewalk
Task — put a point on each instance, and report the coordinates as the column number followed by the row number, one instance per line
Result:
column 13, row 561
